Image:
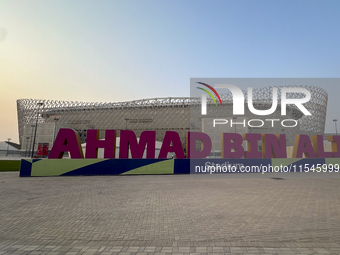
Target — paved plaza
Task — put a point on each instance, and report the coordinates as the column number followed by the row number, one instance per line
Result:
column 169, row 214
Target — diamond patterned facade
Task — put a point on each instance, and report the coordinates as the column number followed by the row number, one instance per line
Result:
column 181, row 114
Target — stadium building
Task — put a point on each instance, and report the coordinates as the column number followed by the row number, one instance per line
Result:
column 182, row 114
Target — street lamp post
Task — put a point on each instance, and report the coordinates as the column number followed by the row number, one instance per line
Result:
column 27, row 137
column 8, row 139
column 35, row 131
column 55, row 128
column 126, row 120
column 29, row 151
column 336, row 128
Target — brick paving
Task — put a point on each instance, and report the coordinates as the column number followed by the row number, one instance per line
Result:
column 178, row 214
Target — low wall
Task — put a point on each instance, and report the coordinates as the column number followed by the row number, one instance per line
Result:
column 78, row 167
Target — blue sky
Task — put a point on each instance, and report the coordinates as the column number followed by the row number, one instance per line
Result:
column 125, row 50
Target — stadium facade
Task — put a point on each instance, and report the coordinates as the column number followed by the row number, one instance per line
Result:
column 180, row 114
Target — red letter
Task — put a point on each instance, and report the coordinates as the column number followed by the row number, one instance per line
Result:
column 232, row 141
column 93, row 143
column 274, row 146
column 128, row 138
column 192, row 137
column 66, row 140
column 302, row 145
column 171, row 136
column 252, row 151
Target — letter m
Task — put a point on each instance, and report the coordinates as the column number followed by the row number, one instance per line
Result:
column 128, row 140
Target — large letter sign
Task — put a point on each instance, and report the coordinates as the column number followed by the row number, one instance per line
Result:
column 67, row 140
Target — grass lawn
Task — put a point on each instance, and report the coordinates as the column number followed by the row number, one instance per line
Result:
column 9, row 165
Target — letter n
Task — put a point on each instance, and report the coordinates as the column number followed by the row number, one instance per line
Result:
column 274, row 146
column 128, row 139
